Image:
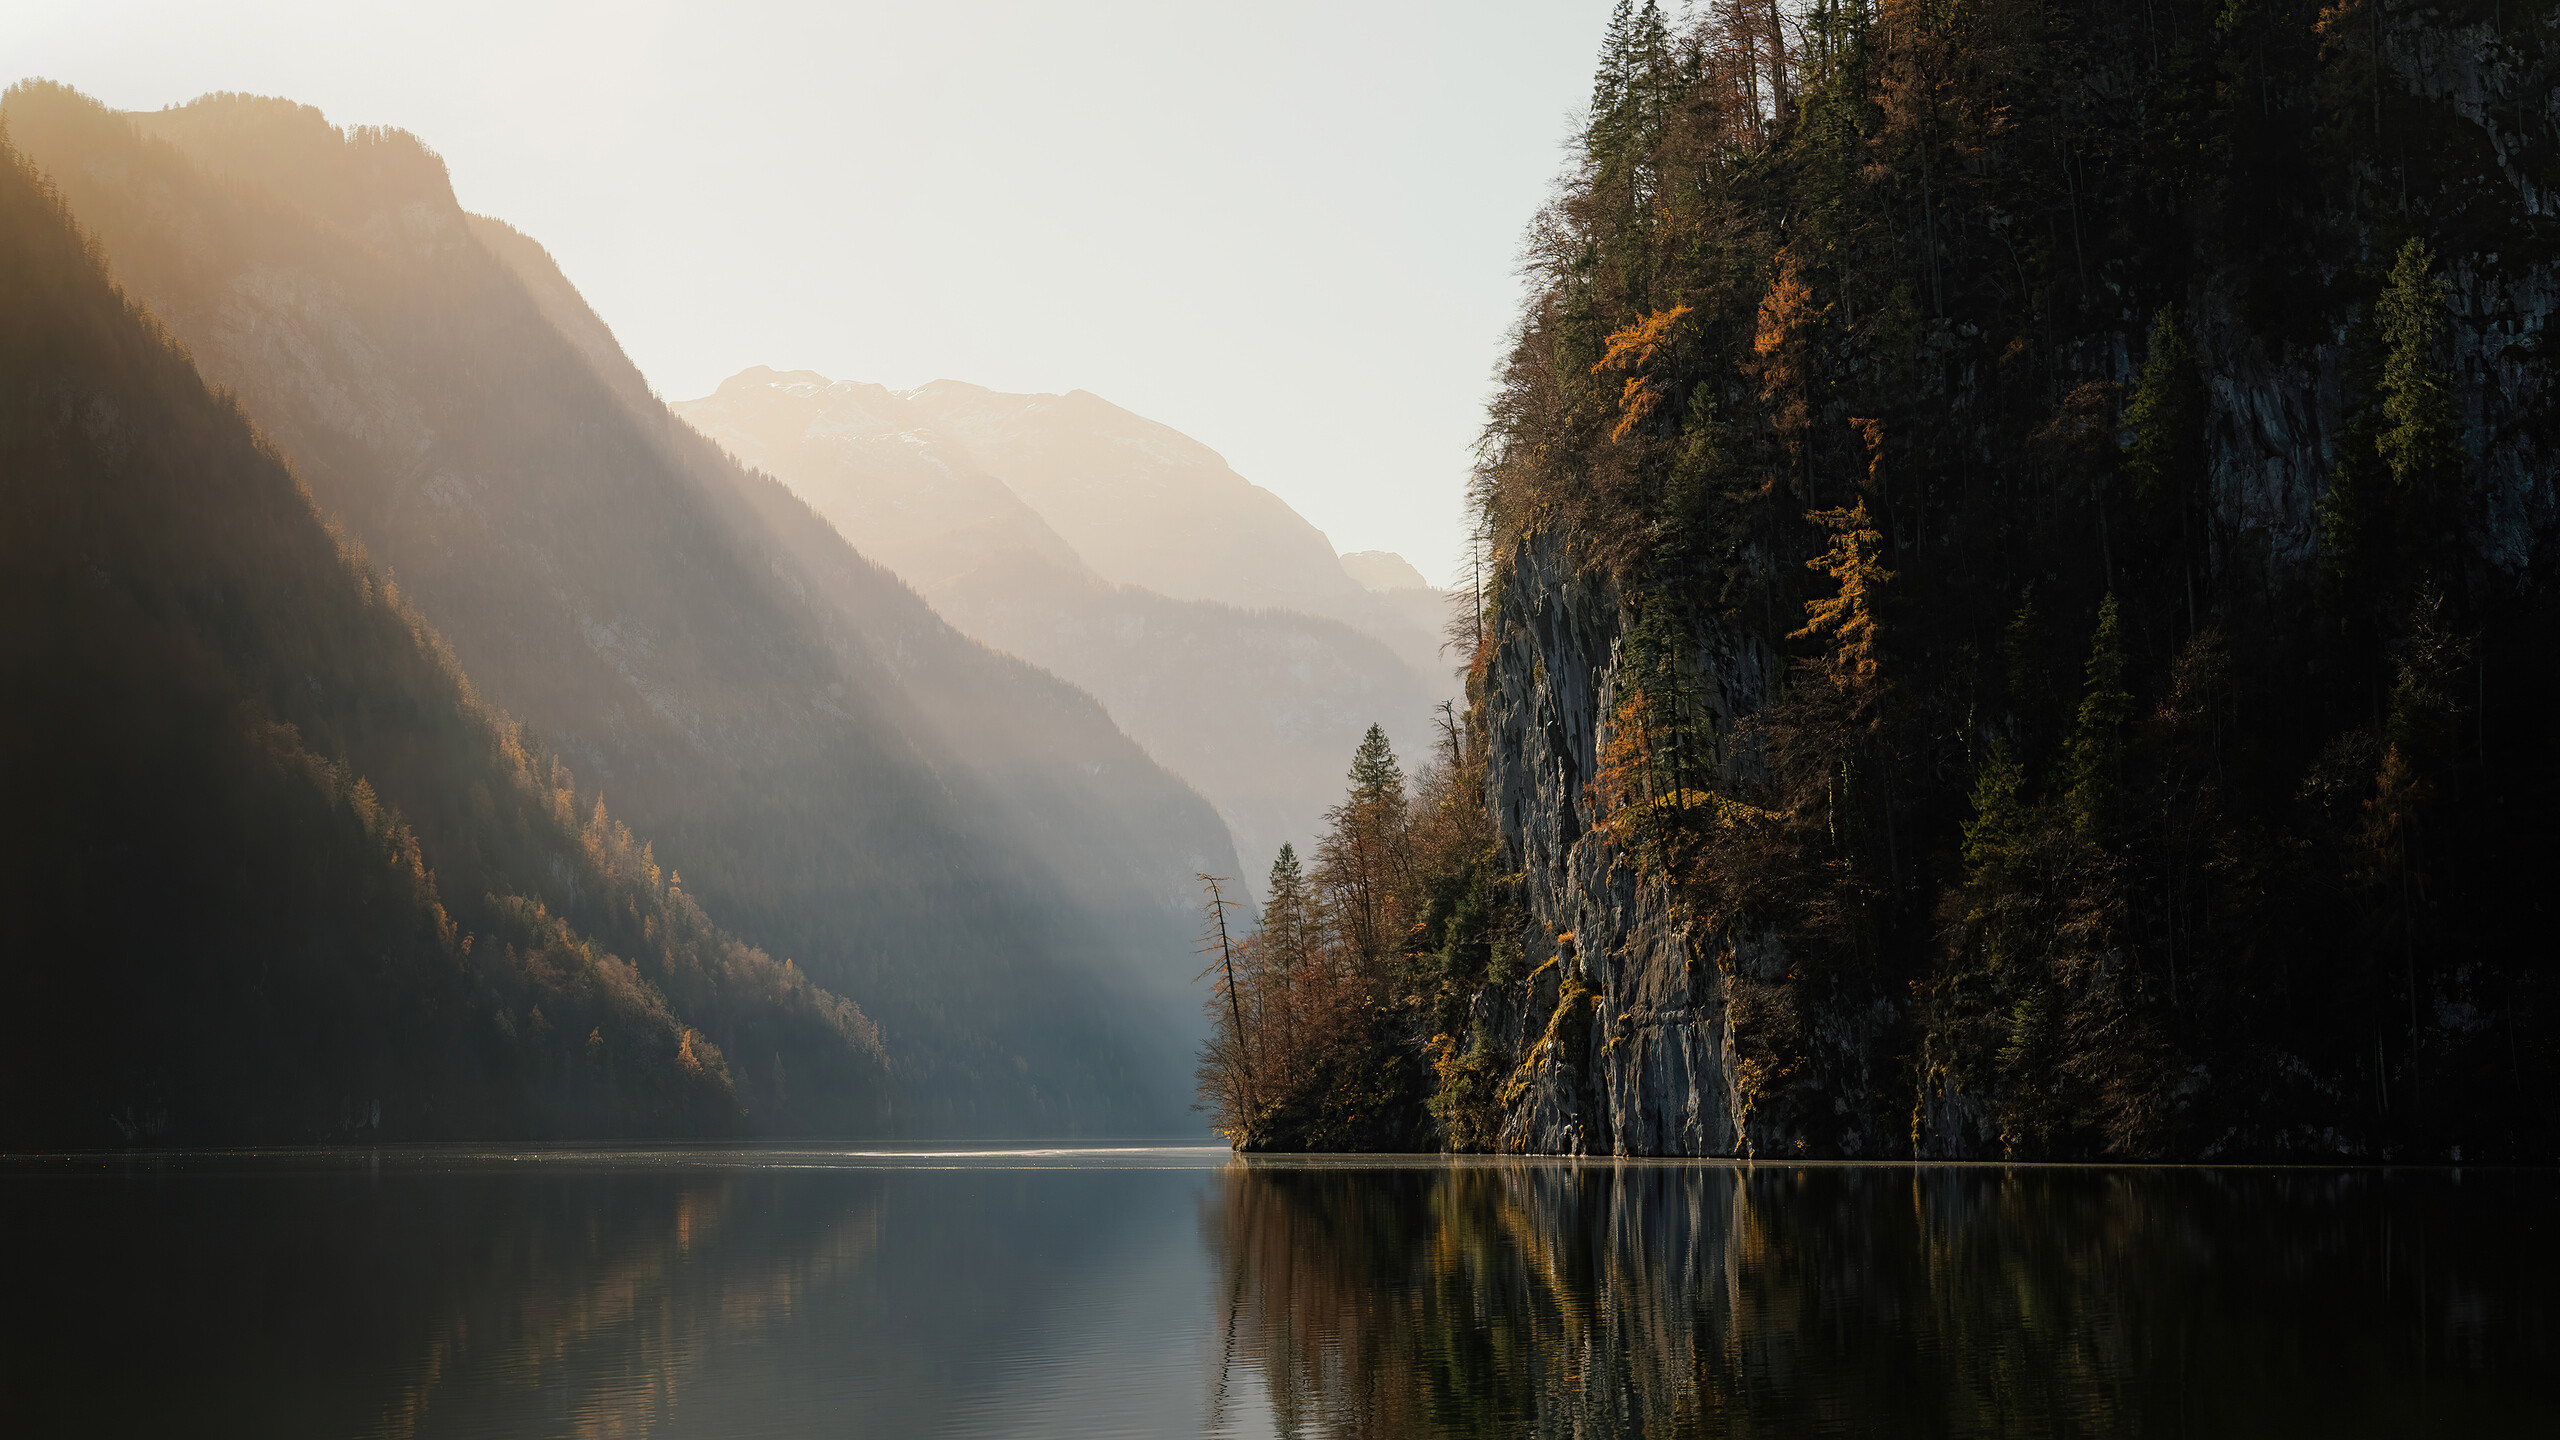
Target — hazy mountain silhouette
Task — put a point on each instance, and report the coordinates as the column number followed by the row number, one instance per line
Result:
column 1259, row 708
column 1382, row 570
column 963, row 844
column 272, row 871
column 1145, row 504
column 860, row 455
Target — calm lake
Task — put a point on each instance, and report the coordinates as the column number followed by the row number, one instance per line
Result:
column 1148, row 1291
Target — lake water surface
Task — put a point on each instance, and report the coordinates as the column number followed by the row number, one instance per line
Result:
column 1165, row 1291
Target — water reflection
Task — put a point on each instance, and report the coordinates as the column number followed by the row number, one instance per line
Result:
column 617, row 1344
column 740, row 1293
column 667, row 1293
column 1604, row 1300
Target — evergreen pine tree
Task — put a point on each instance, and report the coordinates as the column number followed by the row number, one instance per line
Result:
column 2420, row 441
column 1362, row 863
column 1606, row 127
column 1630, row 96
column 1291, row 928
column 1287, row 957
column 2377, row 521
column 2166, row 416
column 1997, row 831
column 1375, row 776
column 1649, row 77
column 2097, row 741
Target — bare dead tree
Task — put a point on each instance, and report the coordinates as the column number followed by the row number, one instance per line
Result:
column 1214, row 938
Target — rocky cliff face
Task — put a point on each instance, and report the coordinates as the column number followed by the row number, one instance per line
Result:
column 1627, row 1033
column 2488, row 110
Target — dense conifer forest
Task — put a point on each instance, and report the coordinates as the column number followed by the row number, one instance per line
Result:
column 2056, row 501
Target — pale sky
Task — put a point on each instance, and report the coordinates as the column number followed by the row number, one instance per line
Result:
column 1289, row 230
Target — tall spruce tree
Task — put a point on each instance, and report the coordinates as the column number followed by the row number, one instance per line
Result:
column 1610, row 83
column 1630, row 97
column 2394, row 497
column 2097, row 740
column 1288, row 955
column 2166, row 416
column 1292, row 932
column 2419, row 440
column 1361, row 864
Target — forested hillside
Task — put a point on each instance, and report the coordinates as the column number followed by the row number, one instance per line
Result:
column 2022, row 619
column 962, row 844
column 273, row 871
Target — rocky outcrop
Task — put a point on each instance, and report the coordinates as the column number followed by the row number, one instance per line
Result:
column 1623, row 1036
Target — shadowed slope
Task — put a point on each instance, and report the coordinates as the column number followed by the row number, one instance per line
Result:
column 272, row 872
column 776, row 712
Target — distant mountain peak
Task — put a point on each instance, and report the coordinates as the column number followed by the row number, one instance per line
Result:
column 893, row 483
column 1383, row 570
column 755, row 376
column 977, row 412
column 1110, row 493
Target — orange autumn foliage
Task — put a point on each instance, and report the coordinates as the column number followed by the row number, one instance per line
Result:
column 1781, row 342
column 1849, row 615
column 1631, row 347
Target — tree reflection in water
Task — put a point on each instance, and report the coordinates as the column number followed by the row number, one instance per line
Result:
column 1520, row 1298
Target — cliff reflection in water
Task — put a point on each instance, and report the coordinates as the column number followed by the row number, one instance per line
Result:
column 1601, row 1300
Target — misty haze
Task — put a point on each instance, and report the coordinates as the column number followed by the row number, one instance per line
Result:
column 1598, row 718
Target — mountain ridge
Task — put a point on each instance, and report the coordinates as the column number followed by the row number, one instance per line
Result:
column 260, row 906
column 755, row 696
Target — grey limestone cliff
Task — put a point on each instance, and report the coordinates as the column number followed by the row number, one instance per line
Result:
column 1631, row 1034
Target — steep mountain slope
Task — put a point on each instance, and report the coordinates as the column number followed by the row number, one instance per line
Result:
column 1077, row 799
column 962, row 844
column 272, row 872
column 1256, row 708
column 1076, row 805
